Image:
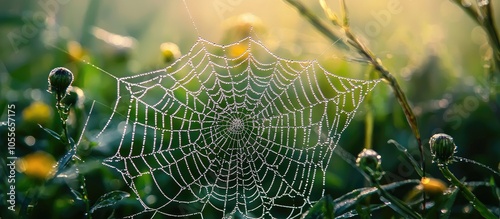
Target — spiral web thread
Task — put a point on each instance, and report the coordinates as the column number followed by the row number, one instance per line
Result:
column 232, row 130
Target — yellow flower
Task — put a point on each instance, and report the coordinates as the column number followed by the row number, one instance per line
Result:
column 238, row 51
column 432, row 185
column 37, row 112
column 241, row 26
column 170, row 52
column 75, row 51
column 38, row 165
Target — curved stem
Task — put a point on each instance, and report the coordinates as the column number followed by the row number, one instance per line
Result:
column 372, row 59
column 317, row 23
column 476, row 203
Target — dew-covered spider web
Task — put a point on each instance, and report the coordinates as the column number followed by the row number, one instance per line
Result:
column 232, row 130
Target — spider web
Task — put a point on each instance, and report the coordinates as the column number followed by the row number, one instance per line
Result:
column 232, row 130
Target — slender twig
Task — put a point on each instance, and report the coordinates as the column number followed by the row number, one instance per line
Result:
column 361, row 48
column 354, row 41
column 369, row 115
column 488, row 23
column 476, row 203
column 345, row 13
column 474, row 14
column 63, row 114
column 318, row 24
column 484, row 17
column 493, row 36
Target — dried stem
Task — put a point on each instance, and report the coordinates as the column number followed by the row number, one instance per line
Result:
column 318, row 24
column 484, row 17
column 354, row 42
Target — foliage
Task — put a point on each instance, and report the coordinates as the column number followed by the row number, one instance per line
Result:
column 444, row 90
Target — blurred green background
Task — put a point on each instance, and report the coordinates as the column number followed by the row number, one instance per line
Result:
column 433, row 49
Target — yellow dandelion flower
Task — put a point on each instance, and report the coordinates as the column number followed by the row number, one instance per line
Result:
column 170, row 52
column 241, row 26
column 75, row 51
column 238, row 51
column 38, row 113
column 432, row 185
column 38, row 165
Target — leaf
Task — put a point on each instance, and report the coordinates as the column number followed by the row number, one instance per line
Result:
column 408, row 155
column 52, row 133
column 495, row 189
column 396, row 204
column 352, row 198
column 61, row 164
column 109, row 199
column 450, row 199
column 369, row 209
column 324, row 208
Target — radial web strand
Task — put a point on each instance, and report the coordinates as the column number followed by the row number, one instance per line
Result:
column 232, row 130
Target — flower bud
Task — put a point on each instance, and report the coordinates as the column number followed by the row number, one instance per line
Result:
column 442, row 148
column 370, row 162
column 170, row 52
column 60, row 79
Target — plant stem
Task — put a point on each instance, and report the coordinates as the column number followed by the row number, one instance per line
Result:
column 484, row 17
column 81, row 178
column 63, row 114
column 377, row 63
column 476, row 203
column 369, row 115
column 318, row 24
column 393, row 83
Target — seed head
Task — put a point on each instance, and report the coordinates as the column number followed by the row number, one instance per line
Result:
column 371, row 163
column 442, row 148
column 60, row 79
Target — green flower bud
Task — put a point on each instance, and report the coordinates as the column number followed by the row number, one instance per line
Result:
column 371, row 163
column 60, row 79
column 442, row 148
